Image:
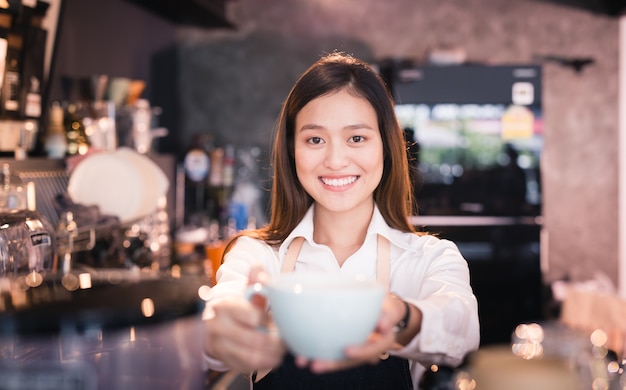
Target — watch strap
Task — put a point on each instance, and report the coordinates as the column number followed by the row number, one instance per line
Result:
column 404, row 322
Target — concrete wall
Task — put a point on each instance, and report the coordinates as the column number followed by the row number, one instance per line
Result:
column 231, row 84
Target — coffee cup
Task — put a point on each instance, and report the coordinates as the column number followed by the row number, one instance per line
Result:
column 318, row 315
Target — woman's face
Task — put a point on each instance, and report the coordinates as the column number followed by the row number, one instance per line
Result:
column 339, row 151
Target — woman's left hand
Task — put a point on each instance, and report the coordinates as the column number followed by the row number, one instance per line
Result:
column 377, row 345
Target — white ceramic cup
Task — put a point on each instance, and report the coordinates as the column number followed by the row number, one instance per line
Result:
column 318, row 315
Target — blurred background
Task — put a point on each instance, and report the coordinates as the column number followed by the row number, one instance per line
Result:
column 511, row 110
column 228, row 82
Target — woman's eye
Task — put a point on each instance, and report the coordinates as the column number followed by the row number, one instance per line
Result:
column 315, row 140
column 357, row 138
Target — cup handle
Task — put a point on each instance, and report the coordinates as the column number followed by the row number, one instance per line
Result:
column 260, row 290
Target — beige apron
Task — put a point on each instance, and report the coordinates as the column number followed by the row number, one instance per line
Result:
column 382, row 270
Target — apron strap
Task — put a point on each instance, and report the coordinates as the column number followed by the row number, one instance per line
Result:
column 292, row 254
column 383, row 267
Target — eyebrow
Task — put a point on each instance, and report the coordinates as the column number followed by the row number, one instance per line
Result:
column 356, row 126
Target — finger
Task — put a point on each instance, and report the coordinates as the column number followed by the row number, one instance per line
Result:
column 249, row 359
column 370, row 351
column 258, row 301
column 238, row 313
column 243, row 347
column 260, row 352
column 387, row 319
column 257, row 274
column 301, row 361
column 321, row 367
column 326, row 366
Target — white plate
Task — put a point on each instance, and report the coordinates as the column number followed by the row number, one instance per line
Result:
column 155, row 183
column 122, row 183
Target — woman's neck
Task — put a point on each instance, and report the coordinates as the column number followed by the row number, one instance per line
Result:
column 344, row 233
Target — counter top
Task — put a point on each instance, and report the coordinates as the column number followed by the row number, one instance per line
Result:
column 471, row 220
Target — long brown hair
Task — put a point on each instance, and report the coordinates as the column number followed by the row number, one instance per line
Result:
column 289, row 201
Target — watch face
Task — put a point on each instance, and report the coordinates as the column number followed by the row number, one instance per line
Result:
column 196, row 165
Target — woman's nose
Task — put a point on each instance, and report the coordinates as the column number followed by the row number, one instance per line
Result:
column 337, row 156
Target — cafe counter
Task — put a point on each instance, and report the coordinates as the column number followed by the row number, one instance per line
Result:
column 101, row 329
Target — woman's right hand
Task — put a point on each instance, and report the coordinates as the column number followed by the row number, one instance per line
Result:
column 237, row 333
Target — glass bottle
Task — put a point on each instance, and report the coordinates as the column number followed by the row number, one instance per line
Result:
column 56, row 143
column 27, row 239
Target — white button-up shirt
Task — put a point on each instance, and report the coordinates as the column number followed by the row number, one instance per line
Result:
column 425, row 271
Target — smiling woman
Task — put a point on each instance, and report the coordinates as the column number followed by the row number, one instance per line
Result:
column 340, row 204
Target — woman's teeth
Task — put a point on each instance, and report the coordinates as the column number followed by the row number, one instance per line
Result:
column 339, row 182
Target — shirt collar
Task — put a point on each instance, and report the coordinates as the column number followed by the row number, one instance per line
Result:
column 377, row 225
column 304, row 229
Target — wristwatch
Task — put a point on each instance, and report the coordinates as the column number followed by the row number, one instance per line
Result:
column 404, row 322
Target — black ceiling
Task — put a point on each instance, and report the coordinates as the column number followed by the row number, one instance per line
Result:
column 603, row 7
column 199, row 13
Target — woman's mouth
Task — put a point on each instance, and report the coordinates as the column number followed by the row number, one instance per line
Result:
column 339, row 182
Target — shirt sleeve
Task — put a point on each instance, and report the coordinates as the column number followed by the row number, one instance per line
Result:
column 438, row 283
column 232, row 278
column 232, row 275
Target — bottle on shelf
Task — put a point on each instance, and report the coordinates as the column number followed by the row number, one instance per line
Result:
column 33, row 61
column 56, row 142
column 11, row 85
column 214, row 251
column 142, row 125
column 197, row 166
